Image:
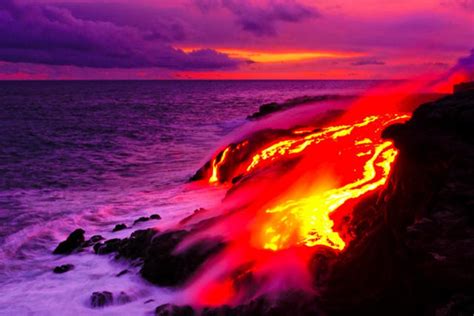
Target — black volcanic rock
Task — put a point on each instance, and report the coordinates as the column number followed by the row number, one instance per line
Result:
column 270, row 108
column 119, row 227
column 160, row 264
column 74, row 241
column 164, row 267
column 414, row 243
column 123, row 298
column 63, row 268
column 123, row 272
column 96, row 238
column 136, row 246
column 173, row 310
column 141, row 220
column 92, row 241
column 108, row 246
column 101, row 299
column 288, row 303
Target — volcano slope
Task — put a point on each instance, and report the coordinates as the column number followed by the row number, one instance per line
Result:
column 413, row 250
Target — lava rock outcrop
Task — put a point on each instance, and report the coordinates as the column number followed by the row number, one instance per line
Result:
column 412, row 251
column 414, row 245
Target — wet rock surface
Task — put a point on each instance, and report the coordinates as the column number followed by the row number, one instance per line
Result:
column 73, row 242
column 63, row 268
column 164, row 267
column 289, row 303
column 101, row 299
column 173, row 310
column 92, row 241
column 160, row 263
column 141, row 220
column 119, row 227
column 270, row 108
column 123, row 272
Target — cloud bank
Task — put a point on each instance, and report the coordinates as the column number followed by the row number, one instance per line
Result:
column 47, row 34
column 261, row 19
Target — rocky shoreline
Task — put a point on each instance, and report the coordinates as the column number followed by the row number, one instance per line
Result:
column 413, row 250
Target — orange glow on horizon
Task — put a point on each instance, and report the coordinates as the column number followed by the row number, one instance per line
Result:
column 259, row 56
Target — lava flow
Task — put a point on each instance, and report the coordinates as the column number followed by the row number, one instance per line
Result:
column 354, row 161
column 300, row 207
column 358, row 162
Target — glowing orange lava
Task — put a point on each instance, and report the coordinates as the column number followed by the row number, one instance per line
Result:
column 216, row 163
column 360, row 160
column 363, row 164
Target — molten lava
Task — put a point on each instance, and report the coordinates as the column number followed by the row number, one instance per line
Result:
column 216, row 163
column 294, row 193
column 359, row 161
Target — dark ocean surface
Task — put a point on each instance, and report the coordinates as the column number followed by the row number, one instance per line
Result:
column 93, row 154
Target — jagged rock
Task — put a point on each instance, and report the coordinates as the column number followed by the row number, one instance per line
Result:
column 107, row 247
column 288, row 303
column 137, row 244
column 464, row 86
column 101, row 299
column 119, row 227
column 63, row 268
column 96, row 238
column 270, row 108
column 414, row 242
column 164, row 267
column 73, row 241
column 141, row 220
column 122, row 273
column 161, row 265
column 92, row 241
column 123, row 298
column 173, row 310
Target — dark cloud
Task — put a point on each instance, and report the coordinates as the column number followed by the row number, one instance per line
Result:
column 158, row 23
column 364, row 62
column 48, row 34
column 466, row 64
column 261, row 20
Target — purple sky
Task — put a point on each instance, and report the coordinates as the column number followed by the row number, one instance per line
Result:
column 220, row 39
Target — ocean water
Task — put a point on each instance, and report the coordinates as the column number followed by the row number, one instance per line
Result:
column 92, row 154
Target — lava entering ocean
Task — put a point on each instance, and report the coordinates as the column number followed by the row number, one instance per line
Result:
column 298, row 190
column 292, row 195
column 357, row 155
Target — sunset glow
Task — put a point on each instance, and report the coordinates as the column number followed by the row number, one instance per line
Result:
column 258, row 39
column 277, row 56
